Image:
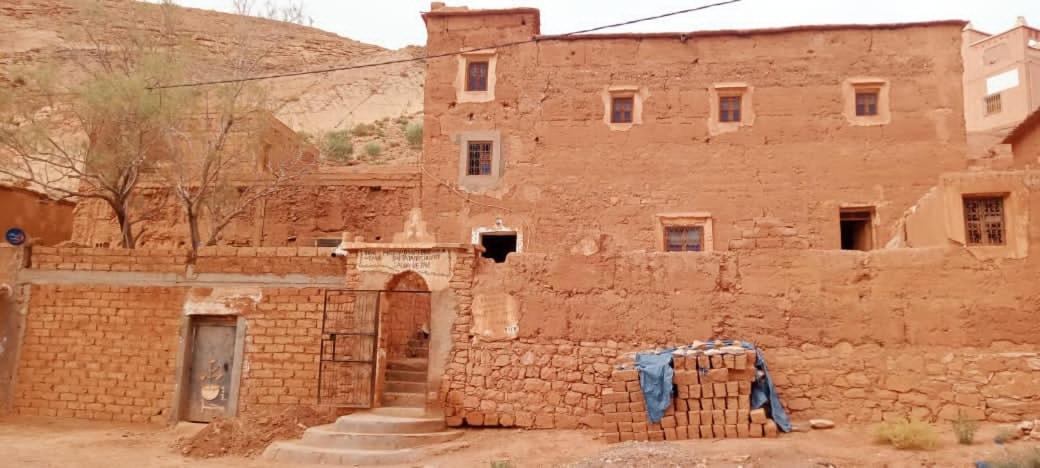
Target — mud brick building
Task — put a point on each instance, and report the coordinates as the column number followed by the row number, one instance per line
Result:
column 582, row 198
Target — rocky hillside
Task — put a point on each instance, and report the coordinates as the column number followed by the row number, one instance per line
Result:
column 52, row 31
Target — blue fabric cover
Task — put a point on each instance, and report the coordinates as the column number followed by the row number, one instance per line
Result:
column 655, row 379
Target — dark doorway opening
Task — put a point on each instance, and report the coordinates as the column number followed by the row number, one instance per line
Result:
column 498, row 246
column 857, row 229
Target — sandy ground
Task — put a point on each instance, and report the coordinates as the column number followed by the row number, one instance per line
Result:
column 45, row 442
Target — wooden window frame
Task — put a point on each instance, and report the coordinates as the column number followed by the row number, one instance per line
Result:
column 684, row 230
column 978, row 230
column 471, row 85
column 481, row 162
column 617, row 115
column 731, row 115
column 862, row 108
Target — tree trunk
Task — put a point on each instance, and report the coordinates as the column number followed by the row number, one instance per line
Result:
column 125, row 229
column 193, row 229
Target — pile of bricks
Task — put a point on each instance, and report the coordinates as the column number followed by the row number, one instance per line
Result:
column 711, row 399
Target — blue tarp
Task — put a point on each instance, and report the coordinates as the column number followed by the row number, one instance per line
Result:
column 655, row 379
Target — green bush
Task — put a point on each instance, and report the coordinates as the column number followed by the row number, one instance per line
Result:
column 964, row 429
column 373, row 148
column 907, row 435
column 363, row 130
column 337, row 145
column 414, row 133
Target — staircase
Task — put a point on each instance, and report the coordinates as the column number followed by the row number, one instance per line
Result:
column 380, row 436
column 399, row 432
column 405, row 383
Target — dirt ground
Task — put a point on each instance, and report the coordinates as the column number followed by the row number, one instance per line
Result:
column 46, row 442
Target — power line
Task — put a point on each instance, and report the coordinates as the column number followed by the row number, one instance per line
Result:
column 435, row 56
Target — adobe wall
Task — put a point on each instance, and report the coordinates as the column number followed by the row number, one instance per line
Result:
column 1027, row 149
column 567, row 176
column 45, row 221
column 321, row 206
column 848, row 335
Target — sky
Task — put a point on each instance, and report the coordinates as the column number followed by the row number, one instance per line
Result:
column 396, row 23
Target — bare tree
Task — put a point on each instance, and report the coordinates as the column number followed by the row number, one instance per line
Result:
column 90, row 138
column 218, row 165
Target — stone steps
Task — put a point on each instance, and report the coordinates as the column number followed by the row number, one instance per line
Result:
column 329, row 435
column 380, row 436
column 407, row 364
column 396, row 386
column 404, row 399
column 406, row 376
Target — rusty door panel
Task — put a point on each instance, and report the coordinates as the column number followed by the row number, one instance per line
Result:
column 212, row 356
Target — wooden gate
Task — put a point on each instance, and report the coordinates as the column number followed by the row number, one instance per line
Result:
column 349, row 331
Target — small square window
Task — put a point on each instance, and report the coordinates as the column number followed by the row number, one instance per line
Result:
column 479, row 160
column 857, row 229
column 477, row 76
column 621, row 109
column 867, row 102
column 984, row 220
column 684, row 238
column 993, row 104
column 729, row 108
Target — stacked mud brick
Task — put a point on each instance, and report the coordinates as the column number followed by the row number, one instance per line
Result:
column 711, row 399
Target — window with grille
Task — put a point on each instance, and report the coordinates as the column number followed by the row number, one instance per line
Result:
column 684, row 238
column 984, row 220
column 866, row 103
column 479, row 160
column 477, row 76
column 729, row 108
column 621, row 110
column 993, row 104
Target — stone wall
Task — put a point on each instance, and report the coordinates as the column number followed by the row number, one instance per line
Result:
column 247, row 260
column 567, row 175
column 848, row 335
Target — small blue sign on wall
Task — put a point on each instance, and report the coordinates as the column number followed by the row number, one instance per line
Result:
column 15, row 236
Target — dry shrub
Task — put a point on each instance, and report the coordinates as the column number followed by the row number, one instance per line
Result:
column 250, row 434
column 964, row 429
column 907, row 435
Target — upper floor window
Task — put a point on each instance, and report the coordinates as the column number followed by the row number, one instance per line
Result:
column 477, row 76
column 684, row 238
column 729, row 108
column 993, row 104
column 867, row 102
column 984, row 220
column 479, row 160
column 621, row 109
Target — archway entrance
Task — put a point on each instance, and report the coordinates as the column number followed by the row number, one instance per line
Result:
column 405, row 337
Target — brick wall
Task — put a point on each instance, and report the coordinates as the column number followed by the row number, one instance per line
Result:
column 251, row 260
column 283, row 340
column 99, row 352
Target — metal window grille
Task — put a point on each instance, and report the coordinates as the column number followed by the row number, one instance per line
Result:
column 684, row 238
column 984, row 220
column 994, row 105
column 479, row 160
column 621, row 110
column 477, row 76
column 729, row 108
column 866, row 103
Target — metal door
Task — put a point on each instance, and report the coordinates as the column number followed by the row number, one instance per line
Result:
column 212, row 358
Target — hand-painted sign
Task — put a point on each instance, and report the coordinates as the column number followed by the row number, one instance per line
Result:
column 424, row 262
column 15, row 236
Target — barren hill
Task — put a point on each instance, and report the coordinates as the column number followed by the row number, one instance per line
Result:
column 51, row 31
